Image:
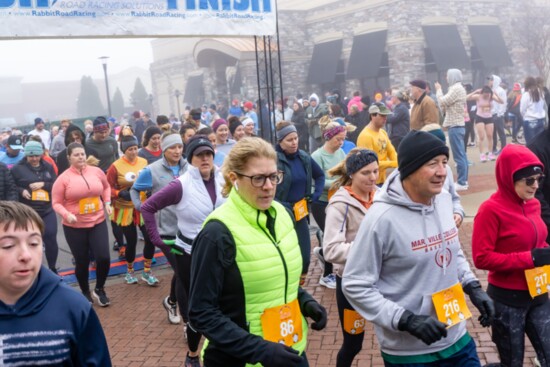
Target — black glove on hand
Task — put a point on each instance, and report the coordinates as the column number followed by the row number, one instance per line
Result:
column 281, row 355
column 541, row 256
column 124, row 195
column 425, row 328
column 317, row 313
column 482, row 302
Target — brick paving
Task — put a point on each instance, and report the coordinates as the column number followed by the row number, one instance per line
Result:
column 138, row 332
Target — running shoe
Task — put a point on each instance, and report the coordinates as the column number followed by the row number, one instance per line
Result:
column 116, row 247
column 482, row 158
column 459, row 187
column 329, row 281
column 317, row 252
column 101, row 297
column 147, row 276
column 491, row 156
column 172, row 311
column 88, row 296
column 192, row 361
column 130, row 278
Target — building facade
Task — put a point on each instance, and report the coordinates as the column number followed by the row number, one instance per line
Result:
column 364, row 46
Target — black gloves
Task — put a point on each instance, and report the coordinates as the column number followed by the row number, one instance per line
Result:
column 541, row 256
column 125, row 195
column 317, row 313
column 425, row 328
column 482, row 302
column 281, row 355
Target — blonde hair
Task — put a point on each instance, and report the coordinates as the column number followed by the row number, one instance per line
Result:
column 326, row 123
column 240, row 155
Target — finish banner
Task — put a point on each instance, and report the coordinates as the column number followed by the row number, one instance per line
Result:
column 136, row 18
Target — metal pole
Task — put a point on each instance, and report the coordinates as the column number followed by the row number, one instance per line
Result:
column 260, row 115
column 279, row 59
column 107, row 88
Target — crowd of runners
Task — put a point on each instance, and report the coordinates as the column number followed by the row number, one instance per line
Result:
column 232, row 212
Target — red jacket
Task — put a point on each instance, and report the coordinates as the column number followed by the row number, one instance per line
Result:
column 506, row 228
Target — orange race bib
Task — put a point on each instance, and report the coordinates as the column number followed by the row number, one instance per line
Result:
column 330, row 193
column 353, row 322
column 40, row 195
column 142, row 196
column 283, row 324
column 450, row 305
column 537, row 280
column 300, row 209
column 88, row 205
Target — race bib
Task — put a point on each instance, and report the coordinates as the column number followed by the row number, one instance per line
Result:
column 537, row 280
column 283, row 324
column 450, row 305
column 40, row 195
column 300, row 209
column 353, row 322
column 89, row 205
column 142, row 196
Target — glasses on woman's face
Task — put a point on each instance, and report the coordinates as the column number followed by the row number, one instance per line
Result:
column 260, row 180
column 530, row 181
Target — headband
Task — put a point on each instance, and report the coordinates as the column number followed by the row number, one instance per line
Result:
column 285, row 131
column 360, row 159
column 170, row 141
column 333, row 131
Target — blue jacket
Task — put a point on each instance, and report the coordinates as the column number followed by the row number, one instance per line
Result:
column 54, row 323
column 297, row 185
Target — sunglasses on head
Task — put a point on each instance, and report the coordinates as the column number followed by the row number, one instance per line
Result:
column 530, row 181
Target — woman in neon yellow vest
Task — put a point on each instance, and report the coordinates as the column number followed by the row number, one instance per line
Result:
column 245, row 272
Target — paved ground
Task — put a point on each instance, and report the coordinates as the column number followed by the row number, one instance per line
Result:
column 139, row 334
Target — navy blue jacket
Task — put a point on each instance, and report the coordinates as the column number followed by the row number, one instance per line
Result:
column 54, row 323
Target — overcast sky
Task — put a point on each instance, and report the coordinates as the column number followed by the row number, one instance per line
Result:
column 51, row 60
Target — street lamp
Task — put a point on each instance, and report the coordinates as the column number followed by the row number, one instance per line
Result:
column 177, row 94
column 104, row 62
column 150, row 98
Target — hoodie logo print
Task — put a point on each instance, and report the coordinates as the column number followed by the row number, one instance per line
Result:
column 442, row 257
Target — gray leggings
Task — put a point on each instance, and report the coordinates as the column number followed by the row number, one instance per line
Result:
column 510, row 326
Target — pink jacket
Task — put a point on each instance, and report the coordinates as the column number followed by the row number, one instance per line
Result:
column 72, row 186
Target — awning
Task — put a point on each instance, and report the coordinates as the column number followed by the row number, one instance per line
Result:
column 324, row 62
column 446, row 47
column 366, row 55
column 490, row 45
column 194, row 91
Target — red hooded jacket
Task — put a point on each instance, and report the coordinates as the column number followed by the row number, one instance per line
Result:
column 507, row 228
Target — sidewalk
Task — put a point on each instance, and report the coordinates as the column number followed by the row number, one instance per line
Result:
column 139, row 334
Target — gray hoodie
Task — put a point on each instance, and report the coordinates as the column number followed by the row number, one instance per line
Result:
column 396, row 264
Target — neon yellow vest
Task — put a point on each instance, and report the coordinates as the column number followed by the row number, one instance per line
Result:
column 260, row 264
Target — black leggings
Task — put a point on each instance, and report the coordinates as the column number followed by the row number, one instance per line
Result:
column 510, row 326
column 318, row 210
column 130, row 232
column 81, row 241
column 182, row 301
column 117, row 233
column 470, row 134
column 50, row 239
column 304, row 240
column 352, row 344
column 183, row 272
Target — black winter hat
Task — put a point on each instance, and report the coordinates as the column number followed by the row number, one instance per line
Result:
column 127, row 142
column 196, row 145
column 417, row 148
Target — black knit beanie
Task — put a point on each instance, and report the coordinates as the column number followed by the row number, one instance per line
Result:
column 417, row 148
column 527, row 172
column 127, row 142
column 149, row 132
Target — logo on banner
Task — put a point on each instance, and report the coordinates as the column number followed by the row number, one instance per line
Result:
column 27, row 3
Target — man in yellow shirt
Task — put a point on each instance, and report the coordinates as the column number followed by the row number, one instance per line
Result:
column 373, row 137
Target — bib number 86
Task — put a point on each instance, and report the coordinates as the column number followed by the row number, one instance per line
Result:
column 287, row 328
column 451, row 308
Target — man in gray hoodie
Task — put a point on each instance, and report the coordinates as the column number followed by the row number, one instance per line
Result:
column 406, row 251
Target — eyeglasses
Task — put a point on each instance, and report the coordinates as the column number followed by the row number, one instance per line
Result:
column 530, row 181
column 260, row 180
